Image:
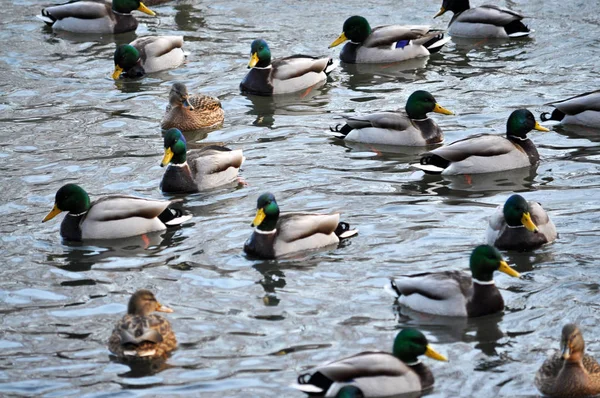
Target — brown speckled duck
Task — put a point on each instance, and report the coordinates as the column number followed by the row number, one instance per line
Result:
column 191, row 112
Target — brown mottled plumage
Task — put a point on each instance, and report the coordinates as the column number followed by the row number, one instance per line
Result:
column 191, row 112
column 141, row 334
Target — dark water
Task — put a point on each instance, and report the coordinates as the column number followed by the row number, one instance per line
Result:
column 247, row 328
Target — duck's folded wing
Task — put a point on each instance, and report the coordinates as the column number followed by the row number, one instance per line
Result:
column 497, row 219
column 548, row 372
column 298, row 65
column 485, row 145
column 204, row 102
column 294, row 226
column 214, row 159
column 590, row 364
column 434, row 285
column 365, row 364
column 490, row 14
column 149, row 335
column 111, row 208
column 579, row 103
column 156, row 46
column 384, row 120
column 390, row 34
column 79, row 9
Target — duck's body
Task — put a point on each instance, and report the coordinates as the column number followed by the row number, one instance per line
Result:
column 486, row 21
column 148, row 55
column 583, row 110
column 191, row 112
column 386, row 44
column 94, row 17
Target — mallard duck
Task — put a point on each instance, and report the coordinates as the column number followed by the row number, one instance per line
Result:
column 197, row 170
column 111, row 217
column 147, row 55
column 280, row 234
column 191, row 112
column 384, row 44
column 583, row 109
column 140, row 333
column 377, row 373
column 390, row 128
column 520, row 225
column 570, row 372
column 94, row 16
column 454, row 293
column 283, row 75
column 487, row 153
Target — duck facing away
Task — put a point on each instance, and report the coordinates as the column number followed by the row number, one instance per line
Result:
column 83, row 16
column 487, row 153
column 140, row 333
column 282, row 75
column 376, row 373
column 111, row 217
column 386, row 44
column 454, row 293
column 413, row 128
column 148, row 55
column 520, row 225
column 277, row 234
column 191, row 112
column 570, row 372
column 484, row 22
column 583, row 109
column 197, row 170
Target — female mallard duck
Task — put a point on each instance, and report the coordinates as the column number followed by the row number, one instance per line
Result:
column 389, row 43
column 377, row 373
column 147, row 55
column 283, row 75
column 191, row 112
column 411, row 129
column 570, row 372
column 487, row 153
column 488, row 21
column 582, row 109
column 520, row 225
column 197, row 170
column 141, row 334
column 111, row 217
column 277, row 235
column 454, row 293
column 94, row 16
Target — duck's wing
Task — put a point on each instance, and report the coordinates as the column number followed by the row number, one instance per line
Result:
column 156, row 46
column 484, row 145
column 390, row 34
column 541, row 219
column 295, row 226
column 591, row 365
column 489, row 14
column 121, row 207
column 214, row 159
column 384, row 120
column 204, row 103
column 298, row 65
column 579, row 103
column 78, row 9
column 434, row 285
column 547, row 373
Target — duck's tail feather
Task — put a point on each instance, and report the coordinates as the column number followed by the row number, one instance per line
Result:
column 343, row 231
column 435, row 43
column 172, row 216
column 313, row 384
column 517, row 29
column 556, row 115
column 331, row 65
column 343, row 131
column 46, row 17
column 392, row 289
column 432, row 164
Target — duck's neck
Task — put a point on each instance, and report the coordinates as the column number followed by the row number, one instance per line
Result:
column 574, row 378
column 459, row 6
column 269, row 224
column 486, row 298
column 527, row 145
column 424, row 374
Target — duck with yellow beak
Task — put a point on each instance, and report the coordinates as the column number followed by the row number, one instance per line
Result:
column 148, row 55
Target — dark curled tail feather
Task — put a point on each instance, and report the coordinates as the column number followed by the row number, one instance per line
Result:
column 344, row 130
column 317, row 380
column 47, row 17
column 432, row 41
column 170, row 214
column 556, row 115
column 434, row 160
column 343, row 230
column 330, row 67
column 395, row 288
column 516, row 27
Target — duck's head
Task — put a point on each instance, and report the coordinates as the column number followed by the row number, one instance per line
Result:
column 144, row 303
column 175, row 148
column 485, row 260
column 267, row 212
column 178, row 96
column 350, row 391
column 356, row 29
column 126, row 57
column 455, row 6
column 71, row 198
column 260, row 54
column 422, row 102
column 571, row 343
column 516, row 213
column 521, row 122
column 126, row 6
column 410, row 344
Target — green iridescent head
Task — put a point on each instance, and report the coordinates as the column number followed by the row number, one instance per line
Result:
column 175, row 147
column 126, row 6
column 71, row 198
column 516, row 213
column 521, row 122
column 126, row 57
column 420, row 103
column 267, row 212
column 455, row 6
column 350, row 391
column 356, row 29
column 410, row 343
column 260, row 54
column 485, row 260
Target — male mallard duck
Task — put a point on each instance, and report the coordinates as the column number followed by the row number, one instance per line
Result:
column 147, row 55
column 283, row 75
column 141, row 334
column 389, row 43
column 583, row 109
column 191, row 112
column 570, row 372
column 487, row 21
column 94, row 16
column 197, row 170
column 411, row 129
column 111, row 217
column 454, row 293
column 487, row 153
column 520, row 225
column 377, row 373
column 276, row 235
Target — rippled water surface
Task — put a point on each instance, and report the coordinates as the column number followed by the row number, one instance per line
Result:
column 248, row 327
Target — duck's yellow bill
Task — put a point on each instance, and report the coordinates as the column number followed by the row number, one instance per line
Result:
column 53, row 213
column 339, row 40
column 162, row 308
column 145, row 9
column 433, row 354
column 528, row 223
column 253, row 60
column 260, row 217
column 117, row 73
column 440, row 12
column 539, row 127
column 440, row 109
column 504, row 267
column 167, row 158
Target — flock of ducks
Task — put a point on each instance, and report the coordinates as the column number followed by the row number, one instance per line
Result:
column 517, row 225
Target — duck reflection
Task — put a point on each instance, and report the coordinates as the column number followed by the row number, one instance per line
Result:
column 368, row 75
column 578, row 132
column 142, row 368
column 273, row 278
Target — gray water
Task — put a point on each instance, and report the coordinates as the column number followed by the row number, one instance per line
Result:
column 248, row 327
